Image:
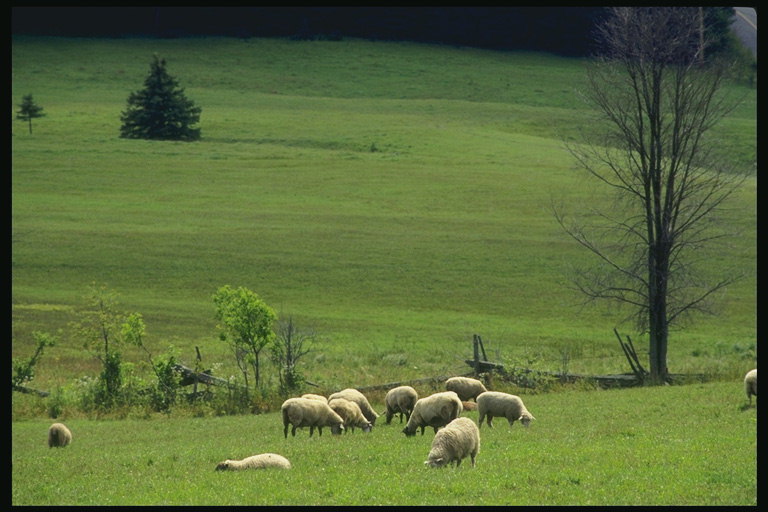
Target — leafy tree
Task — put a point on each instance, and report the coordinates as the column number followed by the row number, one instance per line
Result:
column 658, row 98
column 29, row 110
column 246, row 323
column 160, row 111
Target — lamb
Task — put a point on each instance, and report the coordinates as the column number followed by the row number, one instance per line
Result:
column 496, row 403
column 59, row 435
column 302, row 412
column 400, row 400
column 435, row 410
column 313, row 396
column 459, row 439
column 750, row 384
column 356, row 396
column 351, row 414
column 465, row 387
column 261, row 461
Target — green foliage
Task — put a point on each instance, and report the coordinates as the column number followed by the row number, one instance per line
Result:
column 160, row 111
column 24, row 370
column 246, row 323
column 29, row 110
column 665, row 446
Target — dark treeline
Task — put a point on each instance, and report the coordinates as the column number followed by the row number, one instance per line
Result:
column 561, row 30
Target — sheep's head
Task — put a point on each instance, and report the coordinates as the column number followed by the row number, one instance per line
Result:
column 222, row 466
column 409, row 433
column 437, row 462
column 367, row 427
column 337, row 428
column 526, row 419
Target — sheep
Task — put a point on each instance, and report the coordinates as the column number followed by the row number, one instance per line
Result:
column 356, row 396
column 459, row 439
column 435, row 410
column 303, row 412
column 750, row 384
column 465, row 387
column 400, row 400
column 496, row 403
column 59, row 435
column 313, row 396
column 469, row 406
column 261, row 461
column 351, row 414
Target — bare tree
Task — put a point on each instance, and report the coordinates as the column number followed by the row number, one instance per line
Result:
column 659, row 99
column 291, row 344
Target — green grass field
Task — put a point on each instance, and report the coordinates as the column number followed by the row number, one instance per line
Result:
column 395, row 198
column 677, row 445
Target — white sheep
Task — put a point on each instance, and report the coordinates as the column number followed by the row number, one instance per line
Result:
column 356, row 396
column 303, row 412
column 750, row 384
column 313, row 396
column 465, row 387
column 59, row 435
column 435, row 410
column 400, row 400
column 459, row 439
column 504, row 405
column 351, row 414
column 260, row 461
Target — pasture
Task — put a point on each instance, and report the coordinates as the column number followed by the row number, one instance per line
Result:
column 393, row 197
column 675, row 446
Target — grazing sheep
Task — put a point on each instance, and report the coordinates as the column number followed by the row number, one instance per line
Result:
column 59, row 435
column 400, row 400
column 302, row 412
column 435, row 410
column 354, row 395
column 351, row 414
column 469, row 406
column 459, row 439
column 261, row 461
column 750, row 384
column 465, row 387
column 312, row 396
column 496, row 403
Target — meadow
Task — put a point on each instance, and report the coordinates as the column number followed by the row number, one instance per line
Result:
column 673, row 446
column 395, row 198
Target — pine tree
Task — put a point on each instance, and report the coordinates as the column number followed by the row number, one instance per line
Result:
column 28, row 110
column 160, row 111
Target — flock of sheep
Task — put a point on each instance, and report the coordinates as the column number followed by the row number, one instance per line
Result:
column 456, row 437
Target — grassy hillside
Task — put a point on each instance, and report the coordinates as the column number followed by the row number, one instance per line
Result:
column 394, row 197
column 675, row 445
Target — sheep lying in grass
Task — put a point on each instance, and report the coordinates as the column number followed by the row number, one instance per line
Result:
column 261, row 461
column 496, row 403
column 354, row 395
column 465, row 387
column 400, row 400
column 750, row 384
column 312, row 396
column 302, row 412
column 59, row 435
column 351, row 414
column 459, row 439
column 435, row 410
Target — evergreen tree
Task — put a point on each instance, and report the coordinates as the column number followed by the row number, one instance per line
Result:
column 160, row 111
column 28, row 110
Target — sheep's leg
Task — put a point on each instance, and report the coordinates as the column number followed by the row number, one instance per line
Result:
column 311, row 430
column 489, row 420
column 293, row 431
